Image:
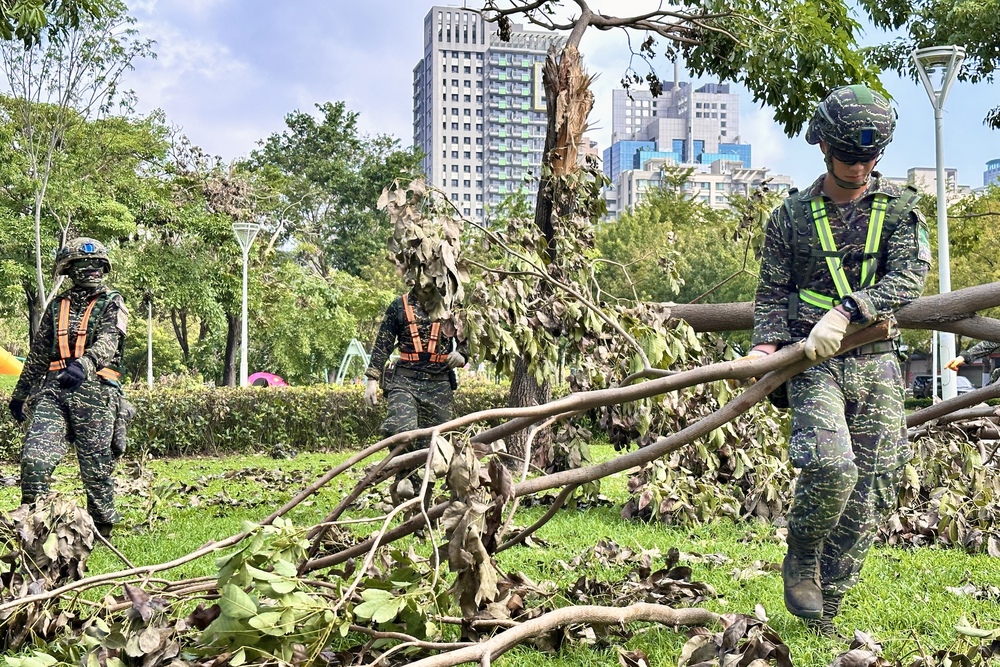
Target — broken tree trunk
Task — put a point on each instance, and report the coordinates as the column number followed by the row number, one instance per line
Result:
column 954, row 312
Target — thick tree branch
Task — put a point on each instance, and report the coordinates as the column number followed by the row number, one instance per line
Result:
column 575, row 615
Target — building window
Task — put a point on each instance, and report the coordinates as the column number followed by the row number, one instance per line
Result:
column 454, row 98
column 467, row 183
column 454, row 167
column 479, row 155
column 454, row 155
column 454, row 68
column 479, row 169
column 466, row 112
column 479, row 198
column 454, row 196
column 467, row 155
column 467, row 70
column 479, row 112
column 466, row 140
column 466, row 126
column 454, row 82
column 479, row 127
column 697, row 114
column 467, row 98
column 479, row 141
column 467, row 168
column 722, row 106
column 697, row 105
column 466, row 197
column 454, row 111
column 454, row 126
column 444, row 140
column 479, row 184
column 454, row 183
column 479, row 98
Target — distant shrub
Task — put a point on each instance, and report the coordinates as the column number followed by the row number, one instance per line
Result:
column 186, row 420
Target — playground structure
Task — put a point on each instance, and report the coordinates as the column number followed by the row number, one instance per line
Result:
column 9, row 364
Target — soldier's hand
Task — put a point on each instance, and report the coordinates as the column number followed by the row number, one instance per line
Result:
column 73, row 376
column 371, row 393
column 455, row 359
column 826, row 336
column 16, row 406
column 955, row 363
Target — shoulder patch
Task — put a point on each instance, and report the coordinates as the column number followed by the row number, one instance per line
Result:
column 923, row 242
column 121, row 322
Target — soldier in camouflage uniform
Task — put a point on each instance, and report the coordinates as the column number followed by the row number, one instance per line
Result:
column 419, row 386
column 70, row 382
column 849, row 248
column 979, row 350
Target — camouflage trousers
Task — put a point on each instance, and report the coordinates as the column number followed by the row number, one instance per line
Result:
column 415, row 403
column 849, row 442
column 84, row 417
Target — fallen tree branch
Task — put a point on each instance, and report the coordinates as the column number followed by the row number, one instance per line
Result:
column 575, row 615
column 786, row 362
column 954, row 312
column 950, row 406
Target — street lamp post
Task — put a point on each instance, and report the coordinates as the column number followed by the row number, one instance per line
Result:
column 944, row 60
column 245, row 234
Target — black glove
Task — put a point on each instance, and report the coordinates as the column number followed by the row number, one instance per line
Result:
column 16, row 406
column 73, row 376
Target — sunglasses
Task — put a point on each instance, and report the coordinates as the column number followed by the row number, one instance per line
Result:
column 87, row 264
column 852, row 158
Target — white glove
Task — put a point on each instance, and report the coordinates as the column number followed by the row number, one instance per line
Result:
column 371, row 393
column 455, row 359
column 826, row 335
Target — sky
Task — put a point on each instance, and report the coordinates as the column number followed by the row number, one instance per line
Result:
column 228, row 71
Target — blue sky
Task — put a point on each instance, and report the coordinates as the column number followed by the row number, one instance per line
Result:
column 228, row 71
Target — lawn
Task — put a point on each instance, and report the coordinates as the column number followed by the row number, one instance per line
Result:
column 171, row 507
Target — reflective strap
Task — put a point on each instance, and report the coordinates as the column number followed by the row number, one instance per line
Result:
column 870, row 263
column 81, row 330
column 62, row 329
column 409, row 356
column 433, row 342
column 109, row 374
column 57, row 365
column 825, row 234
column 412, row 321
column 816, row 299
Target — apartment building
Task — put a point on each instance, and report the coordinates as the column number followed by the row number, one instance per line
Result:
column 479, row 109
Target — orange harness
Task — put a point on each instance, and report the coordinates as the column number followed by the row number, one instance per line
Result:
column 432, row 355
column 62, row 338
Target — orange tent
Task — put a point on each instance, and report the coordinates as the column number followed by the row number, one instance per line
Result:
column 9, row 364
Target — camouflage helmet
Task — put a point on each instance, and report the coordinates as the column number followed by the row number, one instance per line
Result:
column 81, row 248
column 854, row 120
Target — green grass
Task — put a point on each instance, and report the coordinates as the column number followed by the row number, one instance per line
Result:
column 902, row 593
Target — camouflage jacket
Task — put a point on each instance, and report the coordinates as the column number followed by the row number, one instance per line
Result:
column 904, row 257
column 395, row 332
column 979, row 350
column 105, row 338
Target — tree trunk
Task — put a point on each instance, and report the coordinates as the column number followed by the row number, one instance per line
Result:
column 230, row 368
column 35, row 312
column 178, row 319
column 525, row 391
column 568, row 103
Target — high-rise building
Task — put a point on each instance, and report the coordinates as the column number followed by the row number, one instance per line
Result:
column 683, row 126
column 992, row 174
column 479, row 110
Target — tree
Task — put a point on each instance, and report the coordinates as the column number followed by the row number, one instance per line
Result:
column 330, row 178
column 972, row 25
column 29, row 20
column 59, row 83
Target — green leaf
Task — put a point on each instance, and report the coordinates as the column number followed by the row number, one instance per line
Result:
column 238, row 658
column 235, row 603
column 51, row 546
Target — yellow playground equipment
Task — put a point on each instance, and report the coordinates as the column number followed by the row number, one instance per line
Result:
column 9, row 364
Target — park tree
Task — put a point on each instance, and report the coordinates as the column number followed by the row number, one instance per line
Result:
column 59, row 84
column 30, row 20
column 330, row 176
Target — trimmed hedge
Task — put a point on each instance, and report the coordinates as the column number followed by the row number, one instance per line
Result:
column 206, row 421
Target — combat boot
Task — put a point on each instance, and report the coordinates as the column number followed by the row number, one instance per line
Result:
column 800, row 576
column 824, row 626
column 104, row 529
